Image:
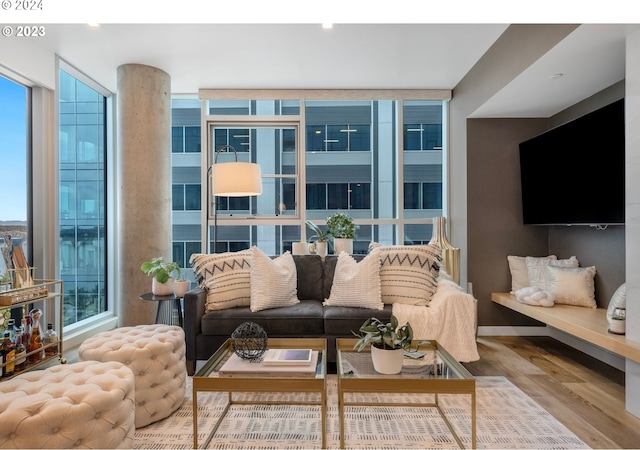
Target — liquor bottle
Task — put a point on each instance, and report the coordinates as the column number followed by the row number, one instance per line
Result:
column 50, row 340
column 21, row 353
column 35, row 342
column 9, row 351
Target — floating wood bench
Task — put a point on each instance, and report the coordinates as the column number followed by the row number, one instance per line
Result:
column 588, row 324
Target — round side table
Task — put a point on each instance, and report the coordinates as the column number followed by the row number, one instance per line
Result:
column 169, row 308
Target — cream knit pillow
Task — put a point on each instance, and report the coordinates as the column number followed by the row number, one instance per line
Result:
column 356, row 284
column 274, row 282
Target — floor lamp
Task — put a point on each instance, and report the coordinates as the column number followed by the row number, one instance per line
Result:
column 232, row 179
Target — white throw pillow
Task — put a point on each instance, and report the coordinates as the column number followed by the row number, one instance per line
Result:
column 538, row 273
column 409, row 273
column 518, row 269
column 225, row 276
column 573, row 285
column 356, row 284
column 274, row 282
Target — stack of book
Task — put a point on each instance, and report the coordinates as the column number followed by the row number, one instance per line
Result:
column 277, row 362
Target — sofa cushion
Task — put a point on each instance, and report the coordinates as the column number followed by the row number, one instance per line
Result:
column 409, row 273
column 225, row 276
column 356, row 284
column 330, row 263
column 273, row 281
column 341, row 320
column 302, row 319
column 309, row 270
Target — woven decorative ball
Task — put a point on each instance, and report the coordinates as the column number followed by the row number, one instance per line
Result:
column 249, row 341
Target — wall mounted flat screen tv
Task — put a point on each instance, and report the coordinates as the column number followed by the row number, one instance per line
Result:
column 574, row 173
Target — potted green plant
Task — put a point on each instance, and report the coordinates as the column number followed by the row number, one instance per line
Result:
column 161, row 271
column 388, row 343
column 340, row 225
column 318, row 242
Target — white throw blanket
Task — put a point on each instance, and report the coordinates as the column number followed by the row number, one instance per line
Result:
column 449, row 319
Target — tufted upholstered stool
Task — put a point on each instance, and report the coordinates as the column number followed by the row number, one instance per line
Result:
column 81, row 405
column 156, row 355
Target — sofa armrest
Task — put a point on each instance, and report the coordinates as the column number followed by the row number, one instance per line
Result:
column 194, row 303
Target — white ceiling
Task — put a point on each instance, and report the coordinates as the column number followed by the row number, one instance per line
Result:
column 365, row 56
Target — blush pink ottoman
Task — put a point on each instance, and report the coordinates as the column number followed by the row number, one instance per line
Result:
column 81, row 405
column 156, row 356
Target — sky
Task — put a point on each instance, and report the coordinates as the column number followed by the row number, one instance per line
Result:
column 13, row 151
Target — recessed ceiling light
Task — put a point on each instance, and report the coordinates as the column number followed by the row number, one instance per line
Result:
column 555, row 76
column 327, row 26
column 94, row 25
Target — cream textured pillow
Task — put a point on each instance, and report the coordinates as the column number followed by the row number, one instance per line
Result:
column 518, row 269
column 538, row 273
column 573, row 285
column 274, row 282
column 356, row 284
column 225, row 276
column 409, row 273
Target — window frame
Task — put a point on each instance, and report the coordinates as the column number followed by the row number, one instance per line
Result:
column 398, row 222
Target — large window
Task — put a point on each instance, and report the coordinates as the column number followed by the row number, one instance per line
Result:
column 379, row 160
column 82, row 173
column 14, row 182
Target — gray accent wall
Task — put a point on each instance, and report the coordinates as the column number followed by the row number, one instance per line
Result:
column 495, row 227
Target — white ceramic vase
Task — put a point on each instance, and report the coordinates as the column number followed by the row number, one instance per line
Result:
column 343, row 245
column 181, row 287
column 321, row 249
column 158, row 288
column 387, row 362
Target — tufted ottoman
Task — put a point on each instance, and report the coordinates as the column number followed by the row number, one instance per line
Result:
column 81, row 405
column 156, row 355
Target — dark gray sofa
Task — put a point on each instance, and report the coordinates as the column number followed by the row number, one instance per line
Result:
column 205, row 332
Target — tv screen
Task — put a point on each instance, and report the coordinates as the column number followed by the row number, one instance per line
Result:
column 574, row 174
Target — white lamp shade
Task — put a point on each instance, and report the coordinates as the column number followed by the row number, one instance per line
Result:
column 236, row 179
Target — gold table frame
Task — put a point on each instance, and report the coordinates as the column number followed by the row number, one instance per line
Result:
column 207, row 379
column 453, row 379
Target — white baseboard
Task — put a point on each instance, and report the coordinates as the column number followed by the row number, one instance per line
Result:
column 592, row 350
column 513, row 331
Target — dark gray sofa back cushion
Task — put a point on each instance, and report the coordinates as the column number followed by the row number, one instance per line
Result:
column 309, row 268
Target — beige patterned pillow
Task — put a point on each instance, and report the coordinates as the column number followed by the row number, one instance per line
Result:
column 538, row 273
column 356, row 284
column 409, row 273
column 225, row 276
column 274, row 282
column 573, row 285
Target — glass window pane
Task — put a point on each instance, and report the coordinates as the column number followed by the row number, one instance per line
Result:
column 360, row 194
column 192, row 139
column 316, row 196
column 14, row 130
column 177, row 197
column 82, row 199
column 432, row 195
column 338, row 196
column 412, row 196
column 192, row 197
column 177, row 139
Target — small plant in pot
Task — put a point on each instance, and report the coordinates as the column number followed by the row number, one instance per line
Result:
column 161, row 272
column 343, row 230
column 388, row 343
column 318, row 242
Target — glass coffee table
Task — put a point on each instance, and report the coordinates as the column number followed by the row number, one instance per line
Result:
column 437, row 372
column 208, row 379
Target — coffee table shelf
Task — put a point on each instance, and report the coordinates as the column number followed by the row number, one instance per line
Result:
column 208, row 379
column 438, row 373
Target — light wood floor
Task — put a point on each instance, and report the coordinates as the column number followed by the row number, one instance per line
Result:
column 586, row 395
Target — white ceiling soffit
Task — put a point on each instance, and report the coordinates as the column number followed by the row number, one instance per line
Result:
column 589, row 60
column 279, row 56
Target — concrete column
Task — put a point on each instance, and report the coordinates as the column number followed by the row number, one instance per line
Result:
column 144, row 185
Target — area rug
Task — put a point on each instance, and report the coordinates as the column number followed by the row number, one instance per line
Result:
column 505, row 418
